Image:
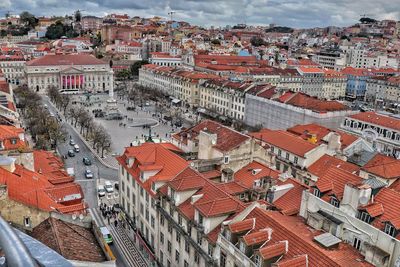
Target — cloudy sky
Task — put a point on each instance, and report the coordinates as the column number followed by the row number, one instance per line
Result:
column 294, row 13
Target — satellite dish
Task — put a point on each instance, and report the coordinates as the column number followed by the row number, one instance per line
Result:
column 213, row 142
column 192, row 164
column 74, row 216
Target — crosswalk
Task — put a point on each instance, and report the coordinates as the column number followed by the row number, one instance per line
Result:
column 126, row 247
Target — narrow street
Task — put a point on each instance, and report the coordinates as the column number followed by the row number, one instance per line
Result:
column 125, row 252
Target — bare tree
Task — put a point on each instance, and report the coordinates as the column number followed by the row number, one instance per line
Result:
column 104, row 142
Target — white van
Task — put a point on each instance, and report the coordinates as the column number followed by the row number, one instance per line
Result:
column 109, row 187
column 76, row 148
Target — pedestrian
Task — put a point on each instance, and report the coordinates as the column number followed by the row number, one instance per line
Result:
column 116, row 223
column 108, row 219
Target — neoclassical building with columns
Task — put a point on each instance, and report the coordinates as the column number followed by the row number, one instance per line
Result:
column 69, row 73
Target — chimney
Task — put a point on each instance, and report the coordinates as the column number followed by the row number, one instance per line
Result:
column 334, row 142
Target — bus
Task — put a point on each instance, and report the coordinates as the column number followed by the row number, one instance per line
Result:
column 106, row 235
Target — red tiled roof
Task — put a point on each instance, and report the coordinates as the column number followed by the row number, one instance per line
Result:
column 242, row 226
column 300, row 240
column 217, row 207
column 211, row 174
column 55, row 60
column 8, row 133
column 289, row 203
column 246, row 177
column 391, row 213
column 274, row 250
column 285, row 141
column 227, row 138
column 334, row 180
column 307, row 102
column 325, row 162
column 232, row 188
column 257, row 238
column 374, row 209
column 378, row 119
column 383, row 166
column 188, row 179
column 149, row 155
column 297, row 261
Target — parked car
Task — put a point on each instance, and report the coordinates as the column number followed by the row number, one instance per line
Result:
column 167, row 118
column 106, row 235
column 109, row 187
column 72, row 142
column 71, row 153
column 87, row 161
column 178, row 124
column 76, row 148
column 147, row 104
column 101, row 191
column 88, row 174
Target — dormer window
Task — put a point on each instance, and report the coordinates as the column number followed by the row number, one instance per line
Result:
column 335, row 202
column 13, row 141
column 226, row 159
column 389, row 229
column 172, row 194
column 242, row 247
column 316, row 192
column 364, row 216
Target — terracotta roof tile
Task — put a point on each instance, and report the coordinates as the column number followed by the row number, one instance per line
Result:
column 289, row 203
column 333, row 181
column 257, row 238
column 254, row 171
column 383, row 166
column 242, row 226
column 54, row 60
column 325, row 162
column 297, row 261
column 378, row 119
column 391, row 213
column 285, row 141
column 274, row 250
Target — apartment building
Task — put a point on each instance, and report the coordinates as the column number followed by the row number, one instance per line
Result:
column 142, row 171
column 12, row 67
column 333, row 60
column 380, row 130
column 383, row 89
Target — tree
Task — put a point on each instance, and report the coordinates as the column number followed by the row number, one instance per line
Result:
column 58, row 29
column 104, row 141
column 29, row 19
column 78, row 16
column 366, row 20
column 136, row 66
column 215, row 41
column 257, row 41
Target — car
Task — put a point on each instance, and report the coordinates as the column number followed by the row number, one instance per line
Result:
column 88, row 174
column 178, row 124
column 101, row 191
column 106, row 235
column 71, row 153
column 76, row 148
column 116, row 186
column 87, row 161
column 168, row 118
column 147, row 104
column 109, row 187
column 72, row 142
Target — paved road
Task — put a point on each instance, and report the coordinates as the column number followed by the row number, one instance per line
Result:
column 99, row 170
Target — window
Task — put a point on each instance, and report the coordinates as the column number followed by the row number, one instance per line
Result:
column 152, row 221
column 357, row 243
column 178, row 237
column 187, row 247
column 176, row 256
column 169, row 228
column 364, row 216
column 162, row 220
column 335, row 202
column 210, row 250
column 222, row 261
column 279, row 152
column 179, row 219
column 226, row 159
column 141, row 209
column 257, row 260
column 199, row 239
column 287, row 156
column 161, row 238
column 200, row 218
column 296, row 160
column 389, row 229
column 316, row 192
column 27, row 221
column 169, row 247
column 185, row 264
column 168, row 263
column 196, row 258
column 141, row 191
column 161, row 257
